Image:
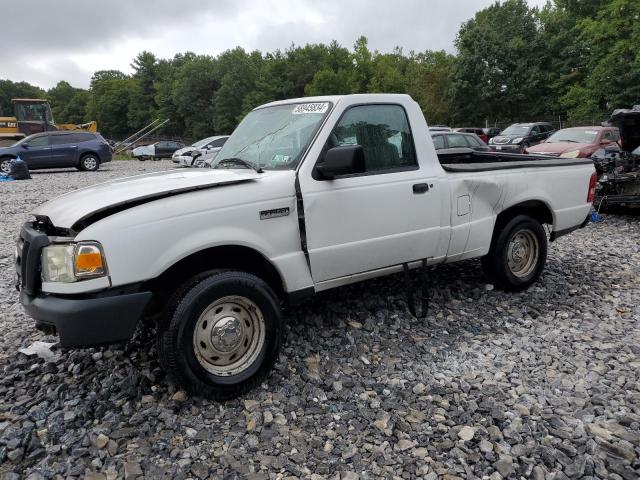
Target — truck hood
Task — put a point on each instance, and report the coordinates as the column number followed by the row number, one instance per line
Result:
column 80, row 208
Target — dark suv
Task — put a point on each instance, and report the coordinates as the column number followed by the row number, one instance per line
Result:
column 519, row 136
column 83, row 150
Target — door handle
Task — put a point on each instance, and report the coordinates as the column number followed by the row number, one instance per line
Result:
column 420, row 188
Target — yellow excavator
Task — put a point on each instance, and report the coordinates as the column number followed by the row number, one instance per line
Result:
column 32, row 115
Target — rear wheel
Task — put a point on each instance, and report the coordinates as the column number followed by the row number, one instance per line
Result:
column 221, row 334
column 518, row 254
column 5, row 166
column 89, row 163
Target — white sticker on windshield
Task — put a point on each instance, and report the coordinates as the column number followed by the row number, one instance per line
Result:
column 303, row 108
column 591, row 132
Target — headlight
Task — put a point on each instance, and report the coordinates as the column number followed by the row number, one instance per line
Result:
column 517, row 140
column 72, row 262
column 571, row 154
column 491, row 141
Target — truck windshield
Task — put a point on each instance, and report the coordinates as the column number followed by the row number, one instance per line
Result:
column 273, row 138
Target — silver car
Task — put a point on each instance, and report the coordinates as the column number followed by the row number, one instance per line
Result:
column 183, row 156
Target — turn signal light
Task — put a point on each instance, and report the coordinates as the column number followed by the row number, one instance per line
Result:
column 89, row 260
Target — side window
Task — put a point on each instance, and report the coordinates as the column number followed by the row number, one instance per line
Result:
column 61, row 139
column 615, row 135
column 457, row 141
column 535, row 130
column 382, row 131
column 39, row 141
column 438, row 142
column 474, row 141
column 218, row 143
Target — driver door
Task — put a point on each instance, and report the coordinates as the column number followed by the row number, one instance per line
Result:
column 388, row 215
column 37, row 152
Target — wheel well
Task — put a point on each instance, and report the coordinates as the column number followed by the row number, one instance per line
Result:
column 223, row 257
column 533, row 208
column 84, row 154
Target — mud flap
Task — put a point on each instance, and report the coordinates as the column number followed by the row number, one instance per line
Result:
column 423, row 276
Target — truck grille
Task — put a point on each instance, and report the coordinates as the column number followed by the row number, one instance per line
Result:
column 28, row 249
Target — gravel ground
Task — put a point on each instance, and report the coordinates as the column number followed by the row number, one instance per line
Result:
column 540, row 384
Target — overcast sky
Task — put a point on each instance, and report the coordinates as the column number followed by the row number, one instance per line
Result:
column 70, row 39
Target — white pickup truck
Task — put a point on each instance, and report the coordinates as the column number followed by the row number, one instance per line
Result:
column 309, row 194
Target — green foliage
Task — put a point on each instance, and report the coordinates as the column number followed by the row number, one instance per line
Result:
column 578, row 59
column 9, row 90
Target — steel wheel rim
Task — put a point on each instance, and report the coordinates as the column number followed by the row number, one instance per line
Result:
column 229, row 335
column 5, row 166
column 523, row 251
column 90, row 163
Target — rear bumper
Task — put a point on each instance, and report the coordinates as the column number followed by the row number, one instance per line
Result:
column 89, row 320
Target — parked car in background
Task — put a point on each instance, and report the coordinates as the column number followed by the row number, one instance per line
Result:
column 83, row 150
column 184, row 157
column 444, row 141
column 520, row 136
column 439, row 128
column 576, row 142
column 477, row 131
column 491, row 132
column 156, row 151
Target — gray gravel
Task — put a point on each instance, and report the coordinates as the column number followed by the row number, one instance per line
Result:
column 540, row 384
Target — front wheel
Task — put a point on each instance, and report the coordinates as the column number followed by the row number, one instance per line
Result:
column 221, row 334
column 518, row 254
column 89, row 163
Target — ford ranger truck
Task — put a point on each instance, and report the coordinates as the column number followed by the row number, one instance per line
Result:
column 306, row 195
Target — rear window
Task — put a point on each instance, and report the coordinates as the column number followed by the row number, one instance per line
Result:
column 457, row 141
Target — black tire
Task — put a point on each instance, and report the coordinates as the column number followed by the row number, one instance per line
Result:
column 177, row 334
column 523, row 147
column 155, row 159
column 4, row 166
column 89, row 162
column 141, row 159
column 508, row 241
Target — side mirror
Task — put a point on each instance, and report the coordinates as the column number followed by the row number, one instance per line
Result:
column 25, row 145
column 343, row 160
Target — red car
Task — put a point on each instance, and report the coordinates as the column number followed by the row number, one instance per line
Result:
column 478, row 131
column 576, row 142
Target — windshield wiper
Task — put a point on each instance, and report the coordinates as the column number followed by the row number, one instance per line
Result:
column 567, row 140
column 240, row 161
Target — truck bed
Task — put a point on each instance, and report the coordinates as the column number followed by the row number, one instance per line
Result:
column 468, row 160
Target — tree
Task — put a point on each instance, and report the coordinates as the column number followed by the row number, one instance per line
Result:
column 9, row 90
column 498, row 68
column 196, row 80
column 111, row 91
column 238, row 72
column 143, row 107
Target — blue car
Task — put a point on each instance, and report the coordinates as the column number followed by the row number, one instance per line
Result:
column 83, row 150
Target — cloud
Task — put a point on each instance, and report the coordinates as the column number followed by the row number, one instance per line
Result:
column 70, row 39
